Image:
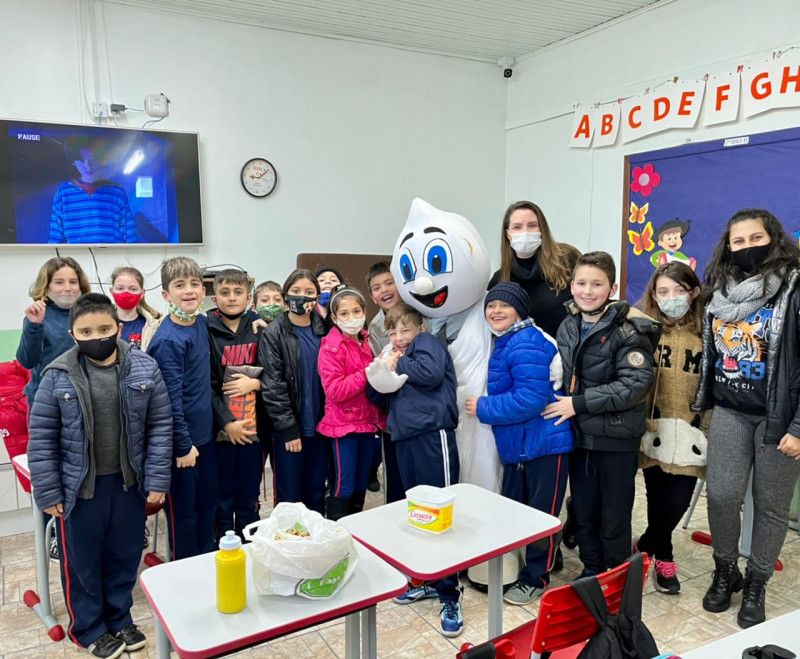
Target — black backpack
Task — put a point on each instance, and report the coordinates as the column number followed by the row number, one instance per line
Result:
column 624, row 635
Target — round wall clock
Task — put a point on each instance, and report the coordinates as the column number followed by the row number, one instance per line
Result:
column 259, row 177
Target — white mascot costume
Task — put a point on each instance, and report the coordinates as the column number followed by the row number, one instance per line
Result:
column 441, row 268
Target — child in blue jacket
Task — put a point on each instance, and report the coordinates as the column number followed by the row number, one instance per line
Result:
column 524, row 375
column 100, row 442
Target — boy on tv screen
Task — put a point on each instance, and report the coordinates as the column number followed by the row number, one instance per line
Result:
column 90, row 208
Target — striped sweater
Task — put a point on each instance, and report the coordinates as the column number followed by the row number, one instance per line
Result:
column 83, row 214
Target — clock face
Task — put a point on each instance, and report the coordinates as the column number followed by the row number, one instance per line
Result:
column 259, row 177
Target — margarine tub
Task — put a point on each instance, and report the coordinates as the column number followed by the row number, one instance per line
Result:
column 430, row 508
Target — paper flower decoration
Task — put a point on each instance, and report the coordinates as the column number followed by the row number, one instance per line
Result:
column 642, row 242
column 644, row 179
column 638, row 215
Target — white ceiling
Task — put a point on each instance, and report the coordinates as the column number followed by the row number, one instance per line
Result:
column 472, row 29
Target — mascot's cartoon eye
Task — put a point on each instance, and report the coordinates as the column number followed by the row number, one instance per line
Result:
column 407, row 267
column 437, row 258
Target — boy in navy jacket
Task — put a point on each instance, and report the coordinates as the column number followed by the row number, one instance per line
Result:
column 423, row 415
column 237, row 403
column 181, row 348
column 100, row 442
column 524, row 374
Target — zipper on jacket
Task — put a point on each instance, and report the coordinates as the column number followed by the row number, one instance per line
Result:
column 126, row 425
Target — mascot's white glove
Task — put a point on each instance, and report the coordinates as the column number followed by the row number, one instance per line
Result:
column 382, row 379
column 556, row 372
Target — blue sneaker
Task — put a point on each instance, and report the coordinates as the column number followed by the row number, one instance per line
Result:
column 416, row 594
column 452, row 621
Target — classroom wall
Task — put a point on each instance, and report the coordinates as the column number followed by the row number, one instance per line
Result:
column 581, row 190
column 355, row 131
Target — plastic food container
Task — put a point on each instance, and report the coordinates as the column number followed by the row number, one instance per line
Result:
column 430, row 508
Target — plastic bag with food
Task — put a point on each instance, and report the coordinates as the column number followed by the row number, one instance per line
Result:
column 295, row 551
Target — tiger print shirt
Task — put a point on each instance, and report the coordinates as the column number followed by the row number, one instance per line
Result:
column 740, row 367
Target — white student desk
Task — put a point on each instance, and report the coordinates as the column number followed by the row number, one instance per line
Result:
column 39, row 600
column 182, row 595
column 485, row 526
column 783, row 631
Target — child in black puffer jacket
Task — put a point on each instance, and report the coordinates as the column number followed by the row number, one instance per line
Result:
column 607, row 353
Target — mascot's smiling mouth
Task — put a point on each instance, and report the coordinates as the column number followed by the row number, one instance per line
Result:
column 433, row 300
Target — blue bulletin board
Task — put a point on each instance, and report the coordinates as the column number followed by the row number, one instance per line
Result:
column 678, row 200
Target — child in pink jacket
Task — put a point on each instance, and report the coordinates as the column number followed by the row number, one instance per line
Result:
column 350, row 419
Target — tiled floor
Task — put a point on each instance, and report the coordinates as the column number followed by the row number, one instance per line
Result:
column 677, row 622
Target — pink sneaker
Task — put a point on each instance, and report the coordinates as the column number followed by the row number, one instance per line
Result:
column 667, row 577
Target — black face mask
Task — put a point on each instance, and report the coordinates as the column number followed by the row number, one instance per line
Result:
column 232, row 316
column 98, row 349
column 749, row 259
column 297, row 303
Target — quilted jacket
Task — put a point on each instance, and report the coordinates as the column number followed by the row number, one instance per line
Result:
column 609, row 375
column 519, row 388
column 61, row 427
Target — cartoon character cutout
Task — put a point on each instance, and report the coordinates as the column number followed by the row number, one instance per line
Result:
column 440, row 262
column 669, row 237
column 441, row 267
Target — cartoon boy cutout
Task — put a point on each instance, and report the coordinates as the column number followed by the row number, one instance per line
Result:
column 669, row 236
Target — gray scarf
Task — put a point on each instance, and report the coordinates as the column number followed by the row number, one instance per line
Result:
column 743, row 298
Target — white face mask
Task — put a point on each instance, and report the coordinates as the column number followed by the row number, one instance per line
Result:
column 353, row 326
column 63, row 300
column 525, row 243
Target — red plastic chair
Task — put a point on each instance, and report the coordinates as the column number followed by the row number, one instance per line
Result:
column 563, row 625
column 152, row 558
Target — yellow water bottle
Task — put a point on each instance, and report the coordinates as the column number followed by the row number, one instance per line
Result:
column 231, row 577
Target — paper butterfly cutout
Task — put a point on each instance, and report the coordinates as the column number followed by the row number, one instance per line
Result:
column 638, row 215
column 642, row 242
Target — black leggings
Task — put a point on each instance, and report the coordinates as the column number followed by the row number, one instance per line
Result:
column 668, row 498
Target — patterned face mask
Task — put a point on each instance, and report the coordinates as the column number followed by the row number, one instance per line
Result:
column 270, row 312
column 181, row 314
column 675, row 307
column 297, row 303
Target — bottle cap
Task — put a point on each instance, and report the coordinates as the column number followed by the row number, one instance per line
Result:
column 230, row 541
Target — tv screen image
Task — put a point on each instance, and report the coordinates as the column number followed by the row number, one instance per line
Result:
column 93, row 185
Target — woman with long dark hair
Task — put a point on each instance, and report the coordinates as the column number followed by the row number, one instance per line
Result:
column 750, row 374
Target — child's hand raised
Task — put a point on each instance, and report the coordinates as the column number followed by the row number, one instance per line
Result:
column 471, row 406
column 240, row 432
column 188, row 460
column 35, row 312
column 258, row 324
column 241, row 385
column 562, row 409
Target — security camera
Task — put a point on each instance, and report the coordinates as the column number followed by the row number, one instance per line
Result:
column 507, row 64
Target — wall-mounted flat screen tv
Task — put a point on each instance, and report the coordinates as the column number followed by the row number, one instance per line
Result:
column 96, row 185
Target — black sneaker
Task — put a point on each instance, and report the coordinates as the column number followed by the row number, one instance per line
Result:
column 107, row 647
column 667, row 577
column 132, row 637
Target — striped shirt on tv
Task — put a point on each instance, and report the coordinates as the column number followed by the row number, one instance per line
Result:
column 100, row 216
